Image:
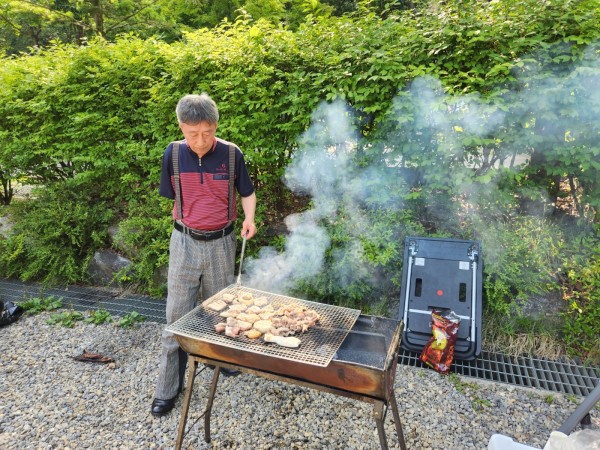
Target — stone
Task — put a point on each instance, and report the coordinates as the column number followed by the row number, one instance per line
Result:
column 105, row 265
column 6, row 226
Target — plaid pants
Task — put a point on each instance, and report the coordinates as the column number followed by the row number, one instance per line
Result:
column 194, row 266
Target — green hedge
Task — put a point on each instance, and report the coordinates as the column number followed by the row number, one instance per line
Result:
column 448, row 96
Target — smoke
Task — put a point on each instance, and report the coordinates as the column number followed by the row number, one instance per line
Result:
column 303, row 256
column 318, row 169
column 431, row 138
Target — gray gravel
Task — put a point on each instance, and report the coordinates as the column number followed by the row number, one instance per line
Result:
column 49, row 400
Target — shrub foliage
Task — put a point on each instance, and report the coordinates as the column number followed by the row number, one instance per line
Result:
column 487, row 112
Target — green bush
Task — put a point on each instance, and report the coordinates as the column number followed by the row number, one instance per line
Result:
column 144, row 238
column 65, row 319
column 37, row 305
column 130, row 320
column 521, row 259
column 99, row 317
column 55, row 236
column 581, row 289
column 363, row 265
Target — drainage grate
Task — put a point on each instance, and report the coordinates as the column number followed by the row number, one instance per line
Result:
column 560, row 376
column 84, row 298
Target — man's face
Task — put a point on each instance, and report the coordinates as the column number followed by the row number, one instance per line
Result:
column 200, row 137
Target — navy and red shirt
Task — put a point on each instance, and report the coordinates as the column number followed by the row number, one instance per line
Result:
column 204, row 184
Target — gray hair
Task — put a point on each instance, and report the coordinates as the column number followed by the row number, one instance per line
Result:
column 193, row 109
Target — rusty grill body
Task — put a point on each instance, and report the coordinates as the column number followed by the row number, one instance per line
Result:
column 319, row 343
column 357, row 358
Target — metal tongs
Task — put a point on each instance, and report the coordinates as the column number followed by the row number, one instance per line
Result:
column 239, row 277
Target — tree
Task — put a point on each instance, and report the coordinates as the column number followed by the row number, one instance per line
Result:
column 272, row 10
column 36, row 23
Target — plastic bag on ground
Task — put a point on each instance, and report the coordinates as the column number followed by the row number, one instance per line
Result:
column 9, row 312
column 438, row 353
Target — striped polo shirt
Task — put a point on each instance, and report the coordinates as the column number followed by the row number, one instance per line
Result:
column 204, row 184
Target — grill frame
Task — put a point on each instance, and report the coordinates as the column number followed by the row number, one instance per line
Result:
column 318, row 345
column 347, row 376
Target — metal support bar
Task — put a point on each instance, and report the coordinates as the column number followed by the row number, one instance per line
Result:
column 474, row 304
column 406, row 297
column 412, row 249
column 397, row 422
column 582, row 411
column 192, row 366
column 211, row 397
column 379, row 414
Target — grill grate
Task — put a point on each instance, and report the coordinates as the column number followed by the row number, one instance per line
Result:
column 558, row 376
column 319, row 344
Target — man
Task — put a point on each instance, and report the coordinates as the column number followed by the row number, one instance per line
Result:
column 202, row 247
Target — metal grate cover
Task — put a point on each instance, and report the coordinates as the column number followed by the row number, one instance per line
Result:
column 83, row 298
column 559, row 376
column 319, row 343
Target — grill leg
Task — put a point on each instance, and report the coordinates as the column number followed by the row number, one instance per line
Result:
column 378, row 412
column 211, row 396
column 397, row 422
column 186, row 402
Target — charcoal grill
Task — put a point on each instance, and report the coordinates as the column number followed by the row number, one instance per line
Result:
column 356, row 357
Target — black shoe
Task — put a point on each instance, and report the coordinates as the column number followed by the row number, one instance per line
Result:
column 226, row 372
column 162, row 407
column 229, row 372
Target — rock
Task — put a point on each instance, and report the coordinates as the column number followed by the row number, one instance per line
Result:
column 105, row 265
column 6, row 226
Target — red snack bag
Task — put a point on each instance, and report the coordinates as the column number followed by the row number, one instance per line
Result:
column 439, row 350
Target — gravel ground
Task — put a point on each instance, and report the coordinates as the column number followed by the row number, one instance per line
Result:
column 49, row 400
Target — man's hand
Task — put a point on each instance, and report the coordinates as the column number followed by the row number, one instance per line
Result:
column 248, row 229
column 249, row 206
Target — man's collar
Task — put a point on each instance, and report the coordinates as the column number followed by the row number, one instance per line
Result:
column 212, row 149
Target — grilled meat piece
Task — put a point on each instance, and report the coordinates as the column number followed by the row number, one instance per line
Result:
column 261, row 301
column 228, row 298
column 254, row 309
column 264, row 326
column 248, row 317
column 232, row 331
column 217, row 305
column 288, row 341
column 238, row 307
column 253, row 334
column 244, row 326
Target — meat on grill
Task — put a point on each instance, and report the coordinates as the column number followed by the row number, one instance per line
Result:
column 289, row 341
column 253, row 318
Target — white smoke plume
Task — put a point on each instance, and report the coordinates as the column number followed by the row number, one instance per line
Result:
column 324, row 166
column 316, row 170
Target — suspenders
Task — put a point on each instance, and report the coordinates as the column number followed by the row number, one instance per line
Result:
column 178, row 197
column 175, row 159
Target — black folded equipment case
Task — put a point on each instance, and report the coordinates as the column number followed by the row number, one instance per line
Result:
column 443, row 274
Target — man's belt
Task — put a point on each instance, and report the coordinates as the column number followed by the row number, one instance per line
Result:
column 203, row 235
